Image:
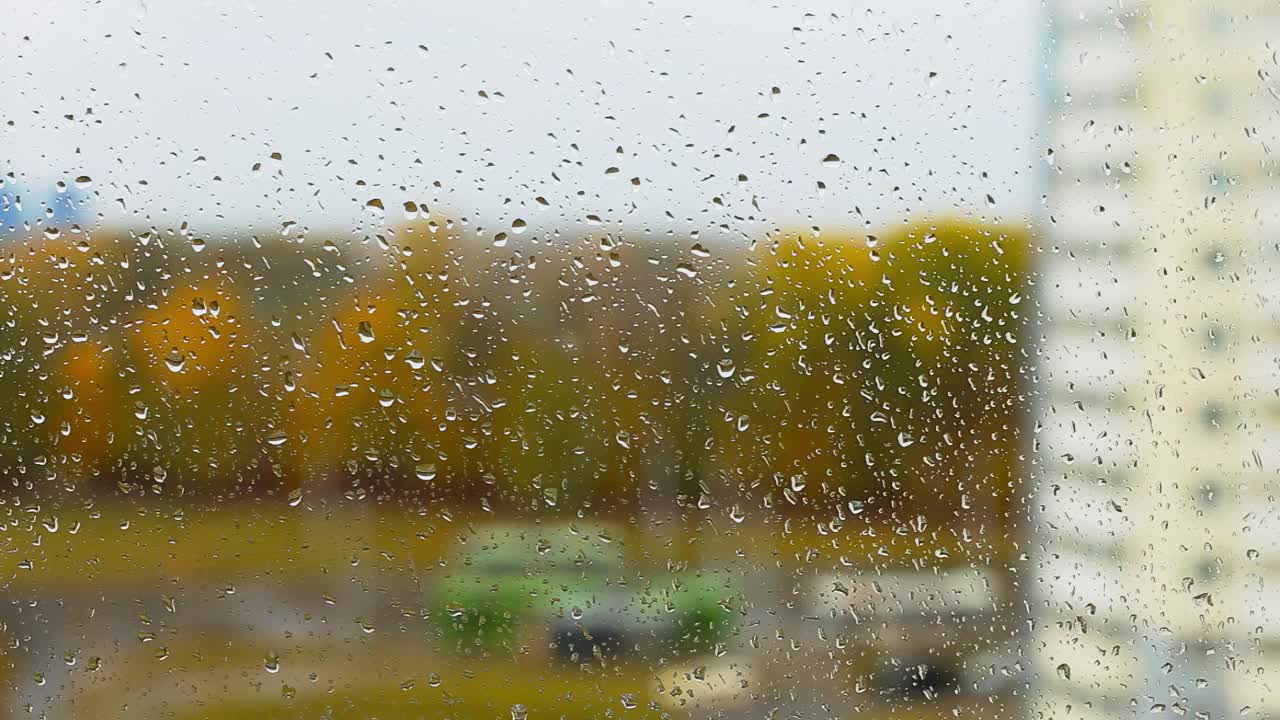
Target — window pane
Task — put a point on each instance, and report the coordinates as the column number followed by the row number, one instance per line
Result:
column 663, row 361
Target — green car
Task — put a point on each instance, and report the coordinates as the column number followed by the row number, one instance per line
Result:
column 567, row 588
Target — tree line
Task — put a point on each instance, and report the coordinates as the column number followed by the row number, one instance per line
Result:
column 812, row 373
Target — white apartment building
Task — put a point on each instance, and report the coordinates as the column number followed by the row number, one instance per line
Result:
column 1156, row 528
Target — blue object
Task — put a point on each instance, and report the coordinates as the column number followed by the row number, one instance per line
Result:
column 67, row 207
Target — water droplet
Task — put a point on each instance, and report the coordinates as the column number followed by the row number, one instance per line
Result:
column 725, row 368
column 276, row 439
column 1064, row 671
column 365, row 332
column 425, row 471
column 175, row 361
column 831, row 160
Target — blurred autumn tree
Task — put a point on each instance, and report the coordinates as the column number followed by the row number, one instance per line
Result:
column 821, row 376
column 592, row 378
column 373, row 400
column 878, row 375
column 140, row 362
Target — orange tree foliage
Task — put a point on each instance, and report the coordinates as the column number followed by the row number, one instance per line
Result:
column 827, row 375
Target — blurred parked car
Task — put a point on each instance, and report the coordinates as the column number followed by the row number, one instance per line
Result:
column 931, row 639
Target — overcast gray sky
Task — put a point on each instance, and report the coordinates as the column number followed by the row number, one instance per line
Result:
column 167, row 106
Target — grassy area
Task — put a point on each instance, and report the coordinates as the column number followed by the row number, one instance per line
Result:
column 100, row 545
column 383, row 680
column 487, row 696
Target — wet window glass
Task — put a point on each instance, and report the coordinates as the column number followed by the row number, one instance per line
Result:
column 609, row 360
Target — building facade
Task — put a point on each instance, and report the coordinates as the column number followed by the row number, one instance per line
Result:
column 1155, row 526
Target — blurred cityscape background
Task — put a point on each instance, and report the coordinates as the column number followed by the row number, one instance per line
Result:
column 603, row 361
